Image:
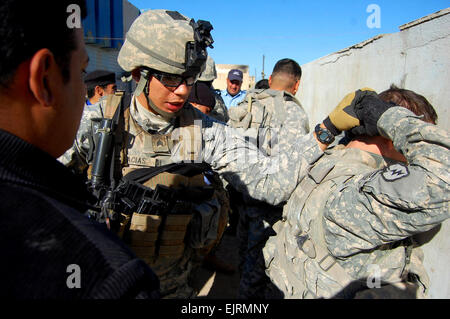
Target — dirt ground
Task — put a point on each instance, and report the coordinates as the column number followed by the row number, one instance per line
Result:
column 216, row 285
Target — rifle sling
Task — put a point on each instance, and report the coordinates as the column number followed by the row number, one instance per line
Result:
column 141, row 175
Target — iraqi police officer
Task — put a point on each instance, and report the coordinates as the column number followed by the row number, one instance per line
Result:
column 159, row 133
column 99, row 83
column 349, row 229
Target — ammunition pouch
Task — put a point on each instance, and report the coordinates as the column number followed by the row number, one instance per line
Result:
column 149, row 237
column 185, row 216
column 204, row 224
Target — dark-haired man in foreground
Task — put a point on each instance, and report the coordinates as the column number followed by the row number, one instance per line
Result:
column 49, row 248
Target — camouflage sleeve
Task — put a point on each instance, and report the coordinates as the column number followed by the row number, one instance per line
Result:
column 220, row 111
column 268, row 178
column 285, row 130
column 398, row 201
column 297, row 118
column 76, row 157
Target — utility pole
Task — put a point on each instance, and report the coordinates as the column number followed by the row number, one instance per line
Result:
column 262, row 73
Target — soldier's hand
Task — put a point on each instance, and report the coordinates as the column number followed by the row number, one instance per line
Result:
column 369, row 110
column 344, row 117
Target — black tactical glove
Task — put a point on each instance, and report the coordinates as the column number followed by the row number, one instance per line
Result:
column 369, row 110
column 343, row 117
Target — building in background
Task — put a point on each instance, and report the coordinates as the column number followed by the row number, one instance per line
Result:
column 105, row 28
column 222, row 72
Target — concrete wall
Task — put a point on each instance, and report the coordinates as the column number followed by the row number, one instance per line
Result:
column 416, row 58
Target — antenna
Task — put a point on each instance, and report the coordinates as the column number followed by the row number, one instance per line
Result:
column 262, row 73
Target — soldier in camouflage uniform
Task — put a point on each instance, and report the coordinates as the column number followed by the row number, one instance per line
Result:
column 262, row 114
column 220, row 111
column 350, row 224
column 165, row 52
column 202, row 98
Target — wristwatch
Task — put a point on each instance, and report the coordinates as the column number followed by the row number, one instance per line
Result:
column 323, row 135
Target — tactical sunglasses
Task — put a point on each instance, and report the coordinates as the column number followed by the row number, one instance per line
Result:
column 173, row 80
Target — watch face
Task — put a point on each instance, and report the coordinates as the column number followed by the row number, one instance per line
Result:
column 323, row 136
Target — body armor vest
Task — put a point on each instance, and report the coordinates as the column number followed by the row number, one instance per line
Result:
column 262, row 111
column 167, row 242
column 310, row 271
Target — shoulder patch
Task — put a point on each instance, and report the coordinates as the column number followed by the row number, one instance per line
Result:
column 394, row 172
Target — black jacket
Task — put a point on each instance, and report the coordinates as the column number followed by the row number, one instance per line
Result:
column 47, row 244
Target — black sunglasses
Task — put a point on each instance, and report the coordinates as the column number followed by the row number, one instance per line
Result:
column 173, row 80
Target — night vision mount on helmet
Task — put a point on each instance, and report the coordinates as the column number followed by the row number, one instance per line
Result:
column 196, row 54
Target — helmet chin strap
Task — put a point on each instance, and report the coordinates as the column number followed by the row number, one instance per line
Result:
column 143, row 87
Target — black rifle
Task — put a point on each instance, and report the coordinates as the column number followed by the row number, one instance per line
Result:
column 117, row 194
column 106, row 171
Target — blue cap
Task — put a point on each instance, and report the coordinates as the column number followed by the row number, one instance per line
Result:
column 235, row 74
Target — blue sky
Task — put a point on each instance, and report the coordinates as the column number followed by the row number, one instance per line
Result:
column 246, row 30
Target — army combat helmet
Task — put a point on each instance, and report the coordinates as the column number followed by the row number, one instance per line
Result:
column 168, row 42
column 210, row 72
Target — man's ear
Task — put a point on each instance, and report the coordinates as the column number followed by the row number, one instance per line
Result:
column 43, row 71
column 99, row 90
column 297, row 84
column 270, row 80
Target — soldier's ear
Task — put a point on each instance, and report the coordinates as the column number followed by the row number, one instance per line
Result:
column 270, row 80
column 44, row 77
column 297, row 84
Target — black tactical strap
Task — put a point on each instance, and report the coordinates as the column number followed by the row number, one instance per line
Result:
column 142, row 175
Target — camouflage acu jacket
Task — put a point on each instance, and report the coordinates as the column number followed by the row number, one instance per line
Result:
column 358, row 222
column 268, row 178
column 220, row 111
column 264, row 113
